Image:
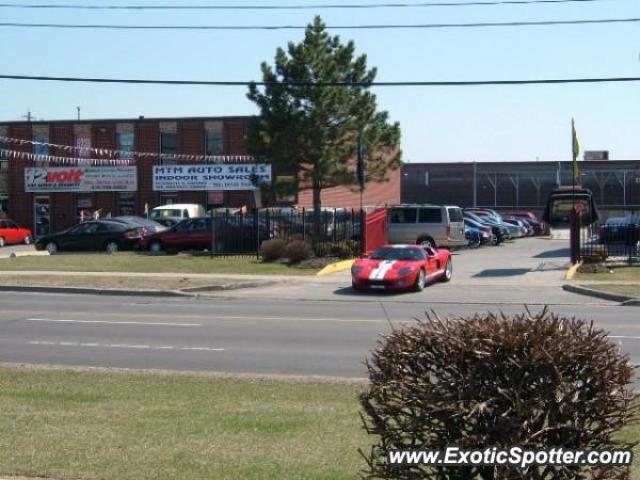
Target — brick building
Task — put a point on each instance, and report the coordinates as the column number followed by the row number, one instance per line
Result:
column 129, row 190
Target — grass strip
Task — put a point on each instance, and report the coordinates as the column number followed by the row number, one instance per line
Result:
column 139, row 263
column 131, row 425
column 114, row 424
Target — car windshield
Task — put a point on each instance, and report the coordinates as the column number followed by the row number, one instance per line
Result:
column 393, row 253
column 166, row 213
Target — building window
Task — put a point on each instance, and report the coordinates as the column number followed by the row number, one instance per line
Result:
column 4, row 175
column 213, row 142
column 168, row 146
column 126, row 204
column 83, row 145
column 125, row 144
column 41, row 138
column 41, row 215
column 84, row 207
column 168, row 198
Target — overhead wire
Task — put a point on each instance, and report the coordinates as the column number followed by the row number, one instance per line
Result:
column 332, row 27
column 548, row 81
column 362, row 6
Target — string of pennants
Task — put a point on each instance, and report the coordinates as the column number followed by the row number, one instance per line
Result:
column 35, row 157
column 118, row 156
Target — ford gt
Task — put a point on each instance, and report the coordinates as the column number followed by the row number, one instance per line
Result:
column 400, row 267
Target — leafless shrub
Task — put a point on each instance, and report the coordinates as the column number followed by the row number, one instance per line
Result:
column 533, row 380
column 271, row 250
column 298, row 251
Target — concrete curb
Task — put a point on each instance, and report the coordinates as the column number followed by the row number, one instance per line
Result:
column 183, row 292
column 24, row 254
column 94, row 291
column 228, row 286
column 336, row 267
column 623, row 299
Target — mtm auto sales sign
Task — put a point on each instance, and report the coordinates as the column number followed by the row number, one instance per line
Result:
column 81, row 179
column 210, row 177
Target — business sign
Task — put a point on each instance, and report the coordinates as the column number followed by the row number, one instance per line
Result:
column 209, row 177
column 81, row 179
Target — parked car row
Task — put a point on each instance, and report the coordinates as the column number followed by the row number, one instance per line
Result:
column 110, row 235
column 431, row 225
column 450, row 226
column 621, row 230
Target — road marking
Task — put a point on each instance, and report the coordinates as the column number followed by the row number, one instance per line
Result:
column 123, row 345
column 623, row 337
column 204, row 317
column 163, row 324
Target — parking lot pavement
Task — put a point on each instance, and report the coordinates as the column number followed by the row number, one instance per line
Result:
column 527, row 271
column 525, row 262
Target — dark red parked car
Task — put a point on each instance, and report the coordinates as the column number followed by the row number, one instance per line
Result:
column 192, row 234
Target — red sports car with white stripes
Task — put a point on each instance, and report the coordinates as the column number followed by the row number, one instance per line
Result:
column 400, row 267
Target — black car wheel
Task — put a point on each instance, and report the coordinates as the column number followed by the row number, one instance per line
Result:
column 52, row 247
column 155, row 247
column 111, row 247
column 427, row 241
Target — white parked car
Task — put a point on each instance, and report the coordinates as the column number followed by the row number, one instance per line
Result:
column 169, row 215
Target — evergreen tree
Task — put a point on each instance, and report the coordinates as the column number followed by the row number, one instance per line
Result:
column 312, row 131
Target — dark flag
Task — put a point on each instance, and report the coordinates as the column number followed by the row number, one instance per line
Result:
column 360, row 173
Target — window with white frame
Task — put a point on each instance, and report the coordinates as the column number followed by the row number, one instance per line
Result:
column 168, row 147
column 214, row 142
column 125, row 144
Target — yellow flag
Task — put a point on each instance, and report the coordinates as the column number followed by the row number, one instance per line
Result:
column 575, row 147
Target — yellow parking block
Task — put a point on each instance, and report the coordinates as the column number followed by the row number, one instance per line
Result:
column 572, row 271
column 336, row 267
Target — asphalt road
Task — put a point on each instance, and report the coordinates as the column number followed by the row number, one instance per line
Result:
column 304, row 326
column 289, row 337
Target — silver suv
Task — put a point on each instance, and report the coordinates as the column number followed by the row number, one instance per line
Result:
column 435, row 225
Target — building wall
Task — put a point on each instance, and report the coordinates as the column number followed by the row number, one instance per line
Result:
column 146, row 138
column 103, row 134
column 615, row 184
column 375, row 194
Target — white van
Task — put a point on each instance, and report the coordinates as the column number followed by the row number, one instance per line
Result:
column 174, row 213
column 434, row 225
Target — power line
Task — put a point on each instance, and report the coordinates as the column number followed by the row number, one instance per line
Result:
column 362, row 6
column 327, row 84
column 334, row 27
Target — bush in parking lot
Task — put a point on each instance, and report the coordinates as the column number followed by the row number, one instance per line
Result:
column 494, row 380
column 597, row 254
column 271, row 250
column 298, row 251
column 346, row 249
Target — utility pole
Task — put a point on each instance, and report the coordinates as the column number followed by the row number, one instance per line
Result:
column 28, row 115
column 78, row 108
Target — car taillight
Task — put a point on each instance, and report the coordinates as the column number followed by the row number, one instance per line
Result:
column 131, row 234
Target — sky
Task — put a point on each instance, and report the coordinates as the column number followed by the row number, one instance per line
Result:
column 439, row 124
